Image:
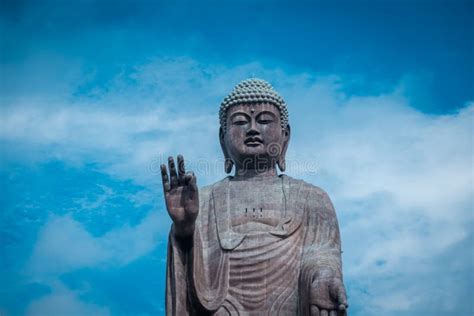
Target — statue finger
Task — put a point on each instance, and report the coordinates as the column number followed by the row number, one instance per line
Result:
column 181, row 170
column 341, row 297
column 333, row 313
column 173, row 174
column 165, row 179
column 314, row 310
column 338, row 292
column 190, row 180
column 324, row 312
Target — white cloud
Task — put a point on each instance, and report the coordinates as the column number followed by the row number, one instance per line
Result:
column 401, row 180
column 64, row 245
column 64, row 302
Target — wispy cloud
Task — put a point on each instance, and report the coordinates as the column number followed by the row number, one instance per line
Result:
column 64, row 245
column 63, row 301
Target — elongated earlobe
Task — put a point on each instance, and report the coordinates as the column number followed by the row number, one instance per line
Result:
column 281, row 164
column 229, row 163
column 281, row 158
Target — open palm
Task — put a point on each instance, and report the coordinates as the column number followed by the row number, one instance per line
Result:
column 181, row 196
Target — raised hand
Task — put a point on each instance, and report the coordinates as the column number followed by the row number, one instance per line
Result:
column 181, row 195
column 328, row 296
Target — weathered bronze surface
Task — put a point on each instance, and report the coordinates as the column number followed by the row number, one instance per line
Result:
column 256, row 243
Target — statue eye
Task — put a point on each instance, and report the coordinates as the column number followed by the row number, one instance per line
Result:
column 265, row 118
column 239, row 121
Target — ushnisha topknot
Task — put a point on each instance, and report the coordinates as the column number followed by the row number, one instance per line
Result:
column 253, row 90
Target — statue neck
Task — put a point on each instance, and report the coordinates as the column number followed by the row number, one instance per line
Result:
column 255, row 174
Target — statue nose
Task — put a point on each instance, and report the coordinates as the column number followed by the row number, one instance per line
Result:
column 253, row 129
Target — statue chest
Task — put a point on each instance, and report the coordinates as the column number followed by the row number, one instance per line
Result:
column 256, row 207
column 282, row 201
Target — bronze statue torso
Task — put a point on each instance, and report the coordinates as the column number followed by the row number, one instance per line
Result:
column 256, row 280
column 257, row 210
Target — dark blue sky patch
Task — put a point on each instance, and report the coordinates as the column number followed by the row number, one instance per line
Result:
column 375, row 44
column 96, row 200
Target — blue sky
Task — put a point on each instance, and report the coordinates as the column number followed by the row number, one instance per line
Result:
column 95, row 94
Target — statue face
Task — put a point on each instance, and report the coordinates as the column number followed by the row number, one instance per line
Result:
column 254, row 136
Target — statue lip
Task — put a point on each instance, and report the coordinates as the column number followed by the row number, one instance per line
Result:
column 253, row 141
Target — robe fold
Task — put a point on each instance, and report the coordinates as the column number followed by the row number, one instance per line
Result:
column 223, row 272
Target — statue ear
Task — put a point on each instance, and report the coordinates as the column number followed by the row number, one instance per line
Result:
column 228, row 164
column 286, row 139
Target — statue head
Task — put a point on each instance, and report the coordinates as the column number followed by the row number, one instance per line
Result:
column 254, row 130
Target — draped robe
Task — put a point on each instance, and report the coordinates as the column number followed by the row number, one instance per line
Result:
column 222, row 272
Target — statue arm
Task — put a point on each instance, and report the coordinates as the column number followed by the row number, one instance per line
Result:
column 176, row 276
column 179, row 268
column 323, row 241
column 321, row 282
column 196, row 266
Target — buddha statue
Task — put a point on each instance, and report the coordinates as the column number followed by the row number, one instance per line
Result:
column 257, row 242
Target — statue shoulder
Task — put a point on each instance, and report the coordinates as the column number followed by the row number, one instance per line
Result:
column 316, row 196
column 318, row 193
column 313, row 189
column 205, row 191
